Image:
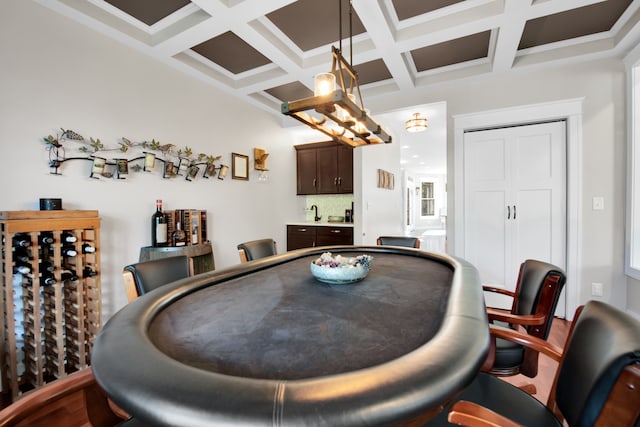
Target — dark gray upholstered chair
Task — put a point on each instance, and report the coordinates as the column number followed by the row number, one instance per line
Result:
column 257, row 249
column 410, row 242
column 146, row 276
column 534, row 303
column 597, row 384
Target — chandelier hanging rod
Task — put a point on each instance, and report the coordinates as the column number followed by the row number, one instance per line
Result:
column 350, row 124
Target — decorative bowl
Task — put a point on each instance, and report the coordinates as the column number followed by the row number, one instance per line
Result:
column 341, row 270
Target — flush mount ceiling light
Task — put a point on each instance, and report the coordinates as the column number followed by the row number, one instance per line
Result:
column 416, row 124
column 334, row 110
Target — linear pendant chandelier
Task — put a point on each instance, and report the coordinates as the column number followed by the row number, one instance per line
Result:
column 333, row 110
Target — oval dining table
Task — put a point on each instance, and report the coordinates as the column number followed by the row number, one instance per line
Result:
column 266, row 344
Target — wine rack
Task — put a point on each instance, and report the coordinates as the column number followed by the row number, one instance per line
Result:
column 50, row 299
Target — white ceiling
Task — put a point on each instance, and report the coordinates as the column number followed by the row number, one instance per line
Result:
column 385, row 37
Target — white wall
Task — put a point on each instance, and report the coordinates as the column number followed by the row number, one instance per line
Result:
column 378, row 211
column 601, row 83
column 56, row 73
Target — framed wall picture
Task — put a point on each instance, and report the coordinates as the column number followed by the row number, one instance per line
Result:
column 239, row 166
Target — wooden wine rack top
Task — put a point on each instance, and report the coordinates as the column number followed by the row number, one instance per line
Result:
column 29, row 221
column 60, row 214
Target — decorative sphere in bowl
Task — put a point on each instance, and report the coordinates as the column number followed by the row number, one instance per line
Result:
column 340, row 270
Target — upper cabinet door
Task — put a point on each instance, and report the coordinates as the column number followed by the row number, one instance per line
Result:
column 327, row 170
column 345, row 169
column 306, row 170
column 324, row 168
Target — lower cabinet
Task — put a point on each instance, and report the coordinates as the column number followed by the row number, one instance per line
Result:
column 308, row 236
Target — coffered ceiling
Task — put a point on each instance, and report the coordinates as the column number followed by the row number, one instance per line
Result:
column 267, row 51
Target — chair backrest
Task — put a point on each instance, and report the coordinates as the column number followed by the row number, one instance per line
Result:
column 146, row 276
column 410, row 242
column 257, row 249
column 537, row 292
column 603, row 345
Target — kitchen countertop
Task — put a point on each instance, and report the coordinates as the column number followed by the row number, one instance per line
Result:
column 321, row 223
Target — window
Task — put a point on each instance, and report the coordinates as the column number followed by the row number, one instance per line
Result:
column 427, row 199
column 632, row 243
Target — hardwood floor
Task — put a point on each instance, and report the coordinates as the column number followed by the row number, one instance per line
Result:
column 546, row 367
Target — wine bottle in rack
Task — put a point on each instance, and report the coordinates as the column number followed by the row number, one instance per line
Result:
column 47, row 279
column 46, row 238
column 68, row 237
column 21, row 240
column 89, row 272
column 21, row 269
column 159, row 227
column 47, row 266
column 68, row 275
column 21, row 255
column 87, row 248
column 69, row 251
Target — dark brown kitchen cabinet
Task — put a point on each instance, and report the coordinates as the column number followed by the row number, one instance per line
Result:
column 326, row 236
column 308, row 236
column 324, row 168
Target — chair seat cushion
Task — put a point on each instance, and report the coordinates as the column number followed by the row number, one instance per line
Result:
column 505, row 399
column 508, row 353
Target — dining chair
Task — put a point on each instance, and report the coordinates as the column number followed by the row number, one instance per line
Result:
column 256, row 249
column 145, row 276
column 410, row 242
column 534, row 303
column 75, row 400
column 597, row 382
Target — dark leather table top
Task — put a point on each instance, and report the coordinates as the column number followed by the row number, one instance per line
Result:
column 265, row 343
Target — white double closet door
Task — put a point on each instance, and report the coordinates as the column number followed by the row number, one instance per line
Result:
column 515, row 202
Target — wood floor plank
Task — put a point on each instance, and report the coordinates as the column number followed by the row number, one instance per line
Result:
column 546, row 367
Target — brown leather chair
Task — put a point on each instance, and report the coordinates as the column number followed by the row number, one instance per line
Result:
column 256, row 249
column 73, row 401
column 146, row 276
column 409, row 242
column 597, row 382
column 534, row 303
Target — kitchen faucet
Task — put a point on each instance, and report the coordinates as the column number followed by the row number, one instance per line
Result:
column 315, row 209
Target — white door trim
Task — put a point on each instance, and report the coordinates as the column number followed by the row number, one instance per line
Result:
column 569, row 110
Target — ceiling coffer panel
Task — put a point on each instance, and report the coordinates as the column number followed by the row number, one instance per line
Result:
column 312, row 23
column 406, row 9
column 232, row 53
column 582, row 21
column 149, row 11
column 475, row 46
column 290, row 91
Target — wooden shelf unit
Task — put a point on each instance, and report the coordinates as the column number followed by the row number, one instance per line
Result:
column 48, row 331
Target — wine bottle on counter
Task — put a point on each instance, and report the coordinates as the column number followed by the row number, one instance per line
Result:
column 68, row 237
column 179, row 236
column 194, row 235
column 87, row 248
column 159, row 227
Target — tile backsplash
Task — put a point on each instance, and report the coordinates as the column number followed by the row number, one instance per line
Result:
column 328, row 205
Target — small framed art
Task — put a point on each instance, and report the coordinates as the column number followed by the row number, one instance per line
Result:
column 239, row 166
